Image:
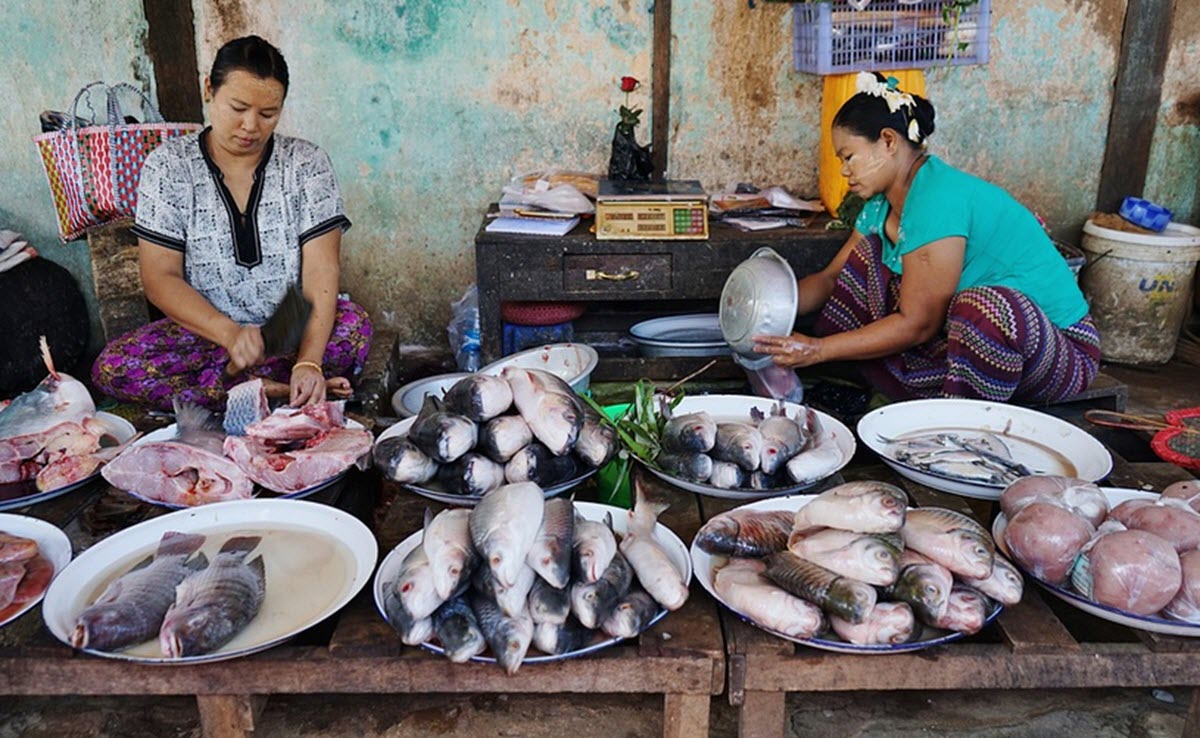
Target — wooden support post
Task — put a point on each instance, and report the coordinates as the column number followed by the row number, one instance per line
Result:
column 685, row 715
column 660, row 111
column 1191, row 725
column 171, row 46
column 762, row 715
column 229, row 715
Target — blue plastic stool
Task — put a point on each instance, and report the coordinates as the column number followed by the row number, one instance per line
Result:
column 520, row 337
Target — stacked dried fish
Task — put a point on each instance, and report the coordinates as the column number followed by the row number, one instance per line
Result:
column 518, row 570
column 526, row 425
column 857, row 560
column 763, row 452
column 976, row 457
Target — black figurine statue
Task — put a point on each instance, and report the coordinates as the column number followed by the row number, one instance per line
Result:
column 629, row 160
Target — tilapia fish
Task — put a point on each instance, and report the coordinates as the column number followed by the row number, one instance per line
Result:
column 504, row 525
column 512, row 600
column 631, row 615
column 689, row 466
column 479, row 397
column 889, row 624
column 693, row 433
column 458, row 630
column 550, row 555
column 865, row 507
column 593, row 549
column 509, row 638
column 924, row 585
column 592, row 603
column 400, row 461
column 548, row 404
column 549, row 604
column 746, row 533
column 867, row 557
column 738, row 443
column 950, row 539
column 564, row 637
column 502, row 437
column 442, row 436
column 847, row 598
column 783, row 438
column 216, row 603
column 447, row 544
column 741, row 584
column 536, row 464
column 132, row 607
column 597, row 442
column 471, row 474
column 649, row 560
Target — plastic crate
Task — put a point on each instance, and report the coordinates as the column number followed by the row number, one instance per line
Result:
column 831, row 37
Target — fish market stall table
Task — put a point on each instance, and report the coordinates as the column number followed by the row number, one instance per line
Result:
column 1039, row 643
column 355, row 651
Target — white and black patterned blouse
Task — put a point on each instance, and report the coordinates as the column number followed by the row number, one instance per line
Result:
column 242, row 264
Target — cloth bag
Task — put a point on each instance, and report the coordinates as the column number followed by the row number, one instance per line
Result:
column 93, row 171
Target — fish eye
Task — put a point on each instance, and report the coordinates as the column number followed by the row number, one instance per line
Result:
column 455, row 571
column 406, row 587
column 931, row 590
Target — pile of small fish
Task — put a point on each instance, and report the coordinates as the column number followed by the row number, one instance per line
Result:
column 50, row 434
column 983, row 458
column 193, row 606
column 24, row 572
column 526, row 425
column 748, row 455
column 1141, row 556
column 518, row 569
column 857, row 560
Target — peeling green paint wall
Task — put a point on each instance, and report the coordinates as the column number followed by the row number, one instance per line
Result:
column 50, row 50
column 1174, row 176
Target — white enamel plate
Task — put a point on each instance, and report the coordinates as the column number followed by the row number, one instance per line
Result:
column 52, row 543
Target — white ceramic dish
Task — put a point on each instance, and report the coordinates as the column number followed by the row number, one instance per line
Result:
column 1041, row 442
column 434, row 491
column 1068, row 595
column 116, row 426
column 317, row 559
column 52, row 543
column 168, row 433
column 705, row 566
column 680, row 335
column 572, row 362
column 737, row 407
column 407, row 401
column 670, row 542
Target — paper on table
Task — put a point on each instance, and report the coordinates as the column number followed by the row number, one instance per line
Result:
column 532, row 226
column 756, row 224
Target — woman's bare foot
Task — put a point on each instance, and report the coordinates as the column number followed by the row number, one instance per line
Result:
column 336, row 387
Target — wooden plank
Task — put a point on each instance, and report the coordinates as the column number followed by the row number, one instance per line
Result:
column 660, row 112
column 171, row 46
column 1191, row 726
column 685, row 715
column 1031, row 627
column 228, row 716
column 763, row 715
column 1136, row 97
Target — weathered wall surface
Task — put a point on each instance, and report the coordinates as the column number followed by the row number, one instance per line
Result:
column 427, row 107
column 1174, row 176
column 105, row 42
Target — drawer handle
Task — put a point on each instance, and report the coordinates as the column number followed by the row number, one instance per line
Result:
column 594, row 274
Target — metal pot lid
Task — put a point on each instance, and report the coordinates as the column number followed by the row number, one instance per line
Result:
column 759, row 298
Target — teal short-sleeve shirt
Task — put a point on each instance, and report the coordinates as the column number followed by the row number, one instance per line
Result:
column 1006, row 246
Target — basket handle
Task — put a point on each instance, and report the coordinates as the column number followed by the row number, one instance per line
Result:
column 115, row 117
column 74, row 119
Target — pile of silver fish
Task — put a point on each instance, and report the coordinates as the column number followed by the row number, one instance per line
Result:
column 1142, row 556
column 518, row 570
column 980, row 457
column 858, row 561
column 50, row 434
column 193, row 606
column 762, row 453
column 525, row 425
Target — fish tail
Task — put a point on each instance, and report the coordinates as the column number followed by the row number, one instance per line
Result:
column 192, row 417
column 174, row 543
column 241, row 544
column 46, row 357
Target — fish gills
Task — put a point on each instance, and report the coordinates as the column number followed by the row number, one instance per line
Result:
column 215, row 604
column 848, row 599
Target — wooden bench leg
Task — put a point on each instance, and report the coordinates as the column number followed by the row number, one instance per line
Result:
column 685, row 715
column 762, row 715
column 1191, row 726
column 229, row 715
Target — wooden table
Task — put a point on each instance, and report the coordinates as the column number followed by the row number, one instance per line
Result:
column 681, row 658
column 1041, row 643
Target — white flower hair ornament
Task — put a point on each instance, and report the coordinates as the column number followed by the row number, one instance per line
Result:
column 894, row 97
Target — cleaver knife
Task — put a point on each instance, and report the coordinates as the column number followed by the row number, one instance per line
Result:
column 282, row 332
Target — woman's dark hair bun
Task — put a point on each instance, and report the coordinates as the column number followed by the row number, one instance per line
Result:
column 252, row 54
column 867, row 115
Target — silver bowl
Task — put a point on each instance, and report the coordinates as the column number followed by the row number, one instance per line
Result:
column 760, row 298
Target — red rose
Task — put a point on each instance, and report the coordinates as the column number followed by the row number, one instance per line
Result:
column 629, row 84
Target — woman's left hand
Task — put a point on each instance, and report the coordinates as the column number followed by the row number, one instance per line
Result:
column 794, row 350
column 308, row 386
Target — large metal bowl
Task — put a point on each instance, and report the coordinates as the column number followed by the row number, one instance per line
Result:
column 573, row 362
column 759, row 299
column 407, row 400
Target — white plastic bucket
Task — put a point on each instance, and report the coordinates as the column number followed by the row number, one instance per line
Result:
column 1139, row 288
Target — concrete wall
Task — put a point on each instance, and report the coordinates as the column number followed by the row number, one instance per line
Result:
column 427, row 107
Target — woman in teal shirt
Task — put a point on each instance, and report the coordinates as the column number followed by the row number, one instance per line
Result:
column 948, row 286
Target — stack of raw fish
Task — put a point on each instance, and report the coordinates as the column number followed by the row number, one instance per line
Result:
column 1141, row 556
column 193, row 606
column 526, row 425
column 24, row 572
column 518, row 569
column 51, row 433
column 978, row 457
column 289, row 451
column 856, row 556
column 750, row 455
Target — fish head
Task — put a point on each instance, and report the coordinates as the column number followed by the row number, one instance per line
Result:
column 888, row 507
column 894, row 623
column 94, row 623
column 925, row 587
column 185, row 632
column 877, row 557
column 555, row 568
column 973, row 553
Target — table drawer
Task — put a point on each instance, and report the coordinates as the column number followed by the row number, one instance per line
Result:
column 616, row 272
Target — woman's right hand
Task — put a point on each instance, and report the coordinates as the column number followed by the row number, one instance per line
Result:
column 245, row 349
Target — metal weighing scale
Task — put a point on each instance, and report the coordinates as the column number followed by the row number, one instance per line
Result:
column 671, row 210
